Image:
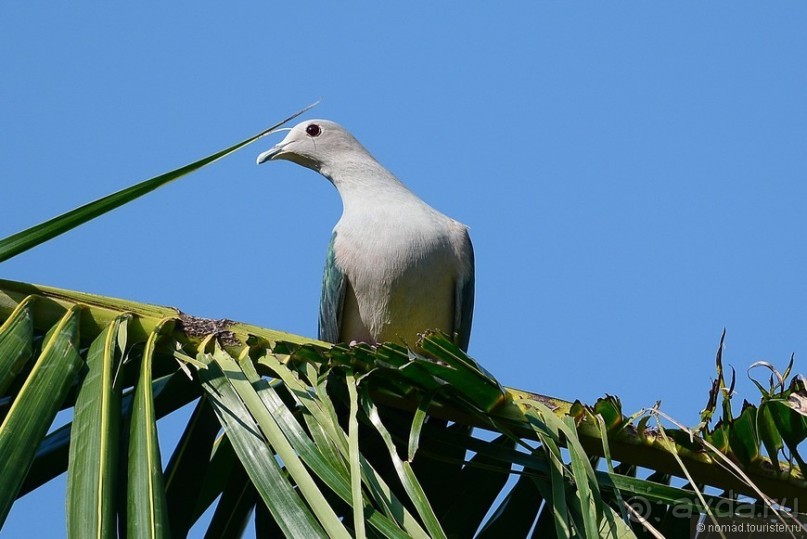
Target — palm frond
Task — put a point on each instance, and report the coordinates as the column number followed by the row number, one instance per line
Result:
column 330, row 440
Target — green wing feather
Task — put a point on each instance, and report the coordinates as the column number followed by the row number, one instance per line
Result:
column 333, row 297
column 464, row 302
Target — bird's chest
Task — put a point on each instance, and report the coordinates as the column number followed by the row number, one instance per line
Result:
column 386, row 256
column 400, row 279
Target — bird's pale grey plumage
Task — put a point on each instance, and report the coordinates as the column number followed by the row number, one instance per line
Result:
column 395, row 266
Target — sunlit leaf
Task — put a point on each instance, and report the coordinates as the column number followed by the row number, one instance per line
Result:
column 93, row 468
column 36, row 405
column 16, row 342
column 31, row 237
column 147, row 514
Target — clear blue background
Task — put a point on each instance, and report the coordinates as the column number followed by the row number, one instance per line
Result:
column 633, row 173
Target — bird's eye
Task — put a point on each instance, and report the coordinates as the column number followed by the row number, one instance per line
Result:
column 313, row 130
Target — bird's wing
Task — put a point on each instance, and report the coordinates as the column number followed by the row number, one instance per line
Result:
column 464, row 292
column 334, row 284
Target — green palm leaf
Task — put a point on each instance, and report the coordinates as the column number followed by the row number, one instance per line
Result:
column 146, row 504
column 31, row 237
column 282, row 427
column 36, row 405
column 93, row 468
column 287, row 508
column 16, row 343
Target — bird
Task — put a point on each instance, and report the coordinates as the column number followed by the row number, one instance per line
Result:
column 395, row 267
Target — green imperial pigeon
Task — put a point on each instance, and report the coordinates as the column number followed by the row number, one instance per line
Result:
column 395, row 266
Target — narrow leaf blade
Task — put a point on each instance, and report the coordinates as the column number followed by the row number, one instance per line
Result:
column 36, row 405
column 147, row 510
column 93, row 467
column 289, row 511
column 16, row 342
column 31, row 237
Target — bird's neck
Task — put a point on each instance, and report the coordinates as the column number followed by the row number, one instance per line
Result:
column 363, row 183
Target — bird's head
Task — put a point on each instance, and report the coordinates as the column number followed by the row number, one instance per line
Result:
column 314, row 144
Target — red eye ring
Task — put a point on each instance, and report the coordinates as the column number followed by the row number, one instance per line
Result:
column 313, row 130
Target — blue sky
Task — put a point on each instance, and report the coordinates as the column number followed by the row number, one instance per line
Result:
column 633, row 174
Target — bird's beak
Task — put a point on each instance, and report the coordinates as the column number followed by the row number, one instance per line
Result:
column 272, row 153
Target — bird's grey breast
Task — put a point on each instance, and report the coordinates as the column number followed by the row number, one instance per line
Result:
column 401, row 271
